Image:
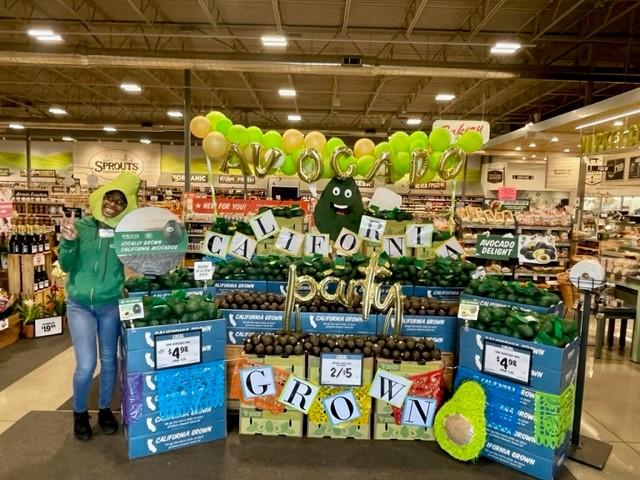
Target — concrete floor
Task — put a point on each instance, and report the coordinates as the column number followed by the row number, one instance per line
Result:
column 36, row 440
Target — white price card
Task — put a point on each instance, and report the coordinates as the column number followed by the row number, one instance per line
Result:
column 203, row 271
column 341, row 369
column 38, row 260
column 178, row 349
column 507, row 361
column 468, row 309
column 131, row 308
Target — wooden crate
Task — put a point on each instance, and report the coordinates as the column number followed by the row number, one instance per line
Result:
column 12, row 333
column 21, row 273
column 360, row 429
column 384, row 425
column 260, row 422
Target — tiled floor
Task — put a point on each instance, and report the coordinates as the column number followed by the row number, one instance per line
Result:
column 610, row 414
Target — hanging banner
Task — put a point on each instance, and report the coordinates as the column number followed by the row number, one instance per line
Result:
column 202, row 204
column 563, row 173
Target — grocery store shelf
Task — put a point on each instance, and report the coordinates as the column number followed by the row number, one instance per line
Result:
column 535, row 275
column 544, row 228
column 487, row 226
column 563, row 244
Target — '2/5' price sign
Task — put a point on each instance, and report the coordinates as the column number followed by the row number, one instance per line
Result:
column 507, row 361
column 341, row 369
column 178, row 349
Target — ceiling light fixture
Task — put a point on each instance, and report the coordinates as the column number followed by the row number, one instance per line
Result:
column 174, row 113
column 445, row 97
column 131, row 87
column 566, row 150
column 40, row 32
column 16, row 126
column 524, row 158
column 68, row 139
column 109, row 129
column 532, row 145
column 57, row 110
column 294, row 117
column 274, row 40
column 414, row 121
column 287, row 92
column 505, row 48
column 518, row 148
column 608, row 119
column 146, row 141
column 554, row 139
column 533, row 156
column 618, row 123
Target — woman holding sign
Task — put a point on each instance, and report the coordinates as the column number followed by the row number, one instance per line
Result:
column 94, row 284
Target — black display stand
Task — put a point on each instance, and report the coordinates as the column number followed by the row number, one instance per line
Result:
column 586, row 450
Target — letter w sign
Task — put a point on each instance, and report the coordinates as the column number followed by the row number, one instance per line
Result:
column 390, row 388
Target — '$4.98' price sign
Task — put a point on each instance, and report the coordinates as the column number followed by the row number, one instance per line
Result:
column 178, row 349
column 507, row 361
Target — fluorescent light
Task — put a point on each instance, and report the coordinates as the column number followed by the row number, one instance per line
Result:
column 131, row 87
column 505, row 48
column 532, row 145
column 294, row 117
column 109, row 129
column 287, row 92
column 566, row 150
column 618, row 123
column 533, row 156
column 608, row 119
column 554, row 139
column 445, row 97
column 546, row 158
column 174, row 114
column 16, row 126
column 57, row 110
column 524, row 158
column 274, row 40
column 49, row 38
column 518, row 148
column 68, row 139
column 41, row 32
column 414, row 121
column 146, row 141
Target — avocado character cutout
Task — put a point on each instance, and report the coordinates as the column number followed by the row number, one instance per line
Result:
column 340, row 205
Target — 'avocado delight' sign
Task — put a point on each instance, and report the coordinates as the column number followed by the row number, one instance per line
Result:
column 495, row 247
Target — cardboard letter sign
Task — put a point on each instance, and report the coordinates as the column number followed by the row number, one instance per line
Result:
column 394, row 245
column 257, row 382
column 264, row 225
column 242, row 247
column 450, row 248
column 347, row 243
column 215, row 244
column 418, row 411
column 342, row 407
column 372, row 229
column 298, row 394
column 390, row 388
column 289, row 241
column 316, row 244
column 419, row 235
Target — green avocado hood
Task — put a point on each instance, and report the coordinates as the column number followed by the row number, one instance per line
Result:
column 127, row 183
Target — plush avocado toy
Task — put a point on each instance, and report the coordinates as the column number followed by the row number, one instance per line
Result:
column 340, row 205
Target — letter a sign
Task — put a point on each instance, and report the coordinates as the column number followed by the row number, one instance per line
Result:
column 390, row 388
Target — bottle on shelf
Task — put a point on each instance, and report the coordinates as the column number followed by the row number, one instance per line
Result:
column 4, row 251
column 25, row 245
column 33, row 241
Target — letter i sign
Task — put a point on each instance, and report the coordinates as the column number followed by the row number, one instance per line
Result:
column 390, row 388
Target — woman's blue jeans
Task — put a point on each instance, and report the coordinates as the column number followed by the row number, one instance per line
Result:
column 86, row 325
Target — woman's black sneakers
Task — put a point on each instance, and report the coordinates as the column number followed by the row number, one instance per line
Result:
column 107, row 421
column 81, row 427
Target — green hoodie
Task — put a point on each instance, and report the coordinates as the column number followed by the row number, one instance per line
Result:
column 95, row 275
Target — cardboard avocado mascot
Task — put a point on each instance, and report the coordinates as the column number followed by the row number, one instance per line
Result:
column 340, row 205
column 128, row 184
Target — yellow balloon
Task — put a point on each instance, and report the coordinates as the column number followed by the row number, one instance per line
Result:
column 199, row 126
column 364, row 146
column 292, row 140
column 315, row 140
column 214, row 145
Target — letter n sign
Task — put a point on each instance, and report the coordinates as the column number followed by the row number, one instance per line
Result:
column 418, row 411
column 390, row 388
column 298, row 394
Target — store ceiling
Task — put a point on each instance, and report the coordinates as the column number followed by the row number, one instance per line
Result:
column 574, row 52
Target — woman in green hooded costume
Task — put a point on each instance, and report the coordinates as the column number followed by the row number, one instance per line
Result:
column 95, row 278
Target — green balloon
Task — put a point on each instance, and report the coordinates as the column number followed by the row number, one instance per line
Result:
column 289, row 166
column 470, row 141
column 399, row 142
column 402, row 163
column 419, row 135
column 332, row 144
column 214, row 117
column 238, row 134
column 381, row 148
column 255, row 134
column 417, row 145
column 327, row 171
column 223, row 126
column 440, row 139
column 272, row 139
column 364, row 165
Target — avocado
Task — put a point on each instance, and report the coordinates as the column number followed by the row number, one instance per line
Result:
column 173, row 232
column 340, row 206
column 460, row 426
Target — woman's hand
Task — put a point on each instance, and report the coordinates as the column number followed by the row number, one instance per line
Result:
column 68, row 226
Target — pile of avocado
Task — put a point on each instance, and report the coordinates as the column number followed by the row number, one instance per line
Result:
column 395, row 214
column 545, row 328
column 515, row 292
column 440, row 272
column 175, row 308
column 227, row 227
column 284, row 212
column 176, row 279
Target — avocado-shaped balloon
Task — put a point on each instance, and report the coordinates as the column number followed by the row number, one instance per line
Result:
column 172, row 232
column 340, row 205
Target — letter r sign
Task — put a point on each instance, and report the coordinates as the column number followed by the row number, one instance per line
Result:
column 298, row 394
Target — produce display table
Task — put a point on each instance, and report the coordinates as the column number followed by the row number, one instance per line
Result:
column 632, row 291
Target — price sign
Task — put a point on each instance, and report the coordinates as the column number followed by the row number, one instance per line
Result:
column 131, row 308
column 178, row 349
column 341, row 369
column 507, row 361
column 203, row 271
column 468, row 309
column 38, row 260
